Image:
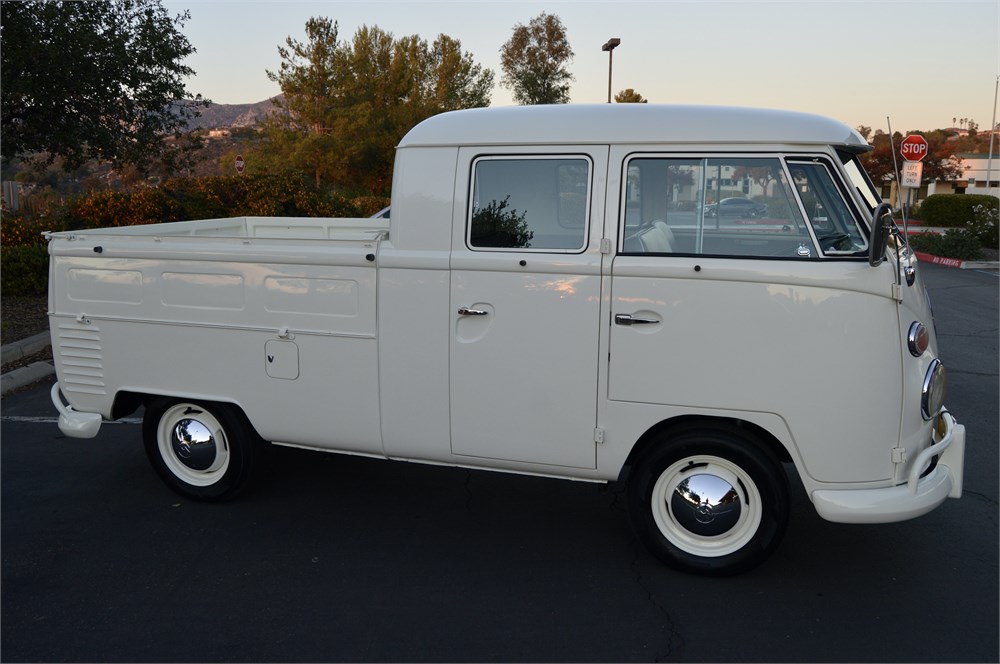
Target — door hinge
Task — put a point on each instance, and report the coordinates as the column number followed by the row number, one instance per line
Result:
column 599, row 436
column 605, row 245
column 899, row 455
column 897, row 293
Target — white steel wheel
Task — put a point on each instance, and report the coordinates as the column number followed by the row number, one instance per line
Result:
column 706, row 506
column 200, row 450
column 193, row 445
column 708, row 500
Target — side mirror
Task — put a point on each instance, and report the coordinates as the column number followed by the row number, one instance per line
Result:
column 881, row 223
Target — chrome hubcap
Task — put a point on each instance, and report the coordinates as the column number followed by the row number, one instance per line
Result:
column 706, row 505
column 194, row 444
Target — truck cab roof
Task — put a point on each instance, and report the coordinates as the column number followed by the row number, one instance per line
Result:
column 580, row 124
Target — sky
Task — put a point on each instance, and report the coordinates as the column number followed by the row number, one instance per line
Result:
column 918, row 63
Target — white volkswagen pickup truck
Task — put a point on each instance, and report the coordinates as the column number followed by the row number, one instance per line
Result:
column 685, row 299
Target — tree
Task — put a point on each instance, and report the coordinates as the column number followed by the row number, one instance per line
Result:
column 347, row 104
column 496, row 226
column 94, row 80
column 300, row 137
column 534, row 62
column 458, row 81
column 630, row 96
column 939, row 164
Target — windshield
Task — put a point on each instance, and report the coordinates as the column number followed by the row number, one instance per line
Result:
column 860, row 180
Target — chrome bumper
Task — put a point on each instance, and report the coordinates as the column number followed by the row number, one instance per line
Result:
column 905, row 501
column 73, row 423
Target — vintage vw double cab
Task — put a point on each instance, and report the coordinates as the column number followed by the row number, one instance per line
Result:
column 686, row 299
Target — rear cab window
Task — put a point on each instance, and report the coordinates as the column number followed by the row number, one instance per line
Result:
column 529, row 203
column 751, row 206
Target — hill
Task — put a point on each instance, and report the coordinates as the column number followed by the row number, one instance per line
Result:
column 226, row 116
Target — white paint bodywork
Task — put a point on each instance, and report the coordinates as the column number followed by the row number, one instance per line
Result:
column 344, row 335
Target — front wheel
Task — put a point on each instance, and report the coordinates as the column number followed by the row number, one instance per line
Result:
column 202, row 451
column 709, row 501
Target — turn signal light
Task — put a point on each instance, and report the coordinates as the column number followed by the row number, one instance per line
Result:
column 917, row 339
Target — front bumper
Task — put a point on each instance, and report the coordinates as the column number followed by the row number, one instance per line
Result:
column 73, row 423
column 918, row 496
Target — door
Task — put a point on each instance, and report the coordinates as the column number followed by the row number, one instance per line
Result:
column 525, row 299
column 747, row 313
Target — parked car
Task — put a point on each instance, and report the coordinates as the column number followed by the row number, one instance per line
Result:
column 743, row 208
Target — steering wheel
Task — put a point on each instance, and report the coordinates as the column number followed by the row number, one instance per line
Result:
column 835, row 241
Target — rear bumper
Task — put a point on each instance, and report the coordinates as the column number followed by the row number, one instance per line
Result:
column 905, row 501
column 72, row 423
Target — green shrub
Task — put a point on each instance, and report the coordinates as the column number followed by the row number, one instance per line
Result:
column 25, row 271
column 984, row 225
column 108, row 209
column 369, row 205
column 254, row 195
column 19, row 229
column 953, row 210
column 959, row 243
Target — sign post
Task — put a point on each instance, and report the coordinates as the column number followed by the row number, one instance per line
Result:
column 913, row 149
column 240, row 164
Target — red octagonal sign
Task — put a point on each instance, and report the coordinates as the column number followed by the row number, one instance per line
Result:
column 913, row 147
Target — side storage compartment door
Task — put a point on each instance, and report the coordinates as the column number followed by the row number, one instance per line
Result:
column 525, row 304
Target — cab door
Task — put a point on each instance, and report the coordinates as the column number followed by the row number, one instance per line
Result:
column 763, row 314
column 525, row 305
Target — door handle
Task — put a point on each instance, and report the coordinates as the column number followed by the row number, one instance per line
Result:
column 627, row 319
column 465, row 311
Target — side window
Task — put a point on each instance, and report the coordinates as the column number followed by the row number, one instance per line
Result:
column 721, row 206
column 529, row 203
column 836, row 228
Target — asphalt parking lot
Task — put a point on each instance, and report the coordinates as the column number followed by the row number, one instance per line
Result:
column 342, row 558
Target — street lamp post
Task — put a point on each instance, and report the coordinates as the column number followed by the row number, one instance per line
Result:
column 609, row 46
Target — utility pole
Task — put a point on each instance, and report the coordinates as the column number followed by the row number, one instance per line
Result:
column 609, row 46
column 993, row 132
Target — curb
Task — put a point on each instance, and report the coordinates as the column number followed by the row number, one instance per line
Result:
column 917, row 229
column 954, row 262
column 22, row 376
column 22, row 348
column 18, row 378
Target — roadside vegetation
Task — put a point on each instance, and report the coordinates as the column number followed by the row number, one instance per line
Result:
column 24, row 252
column 971, row 223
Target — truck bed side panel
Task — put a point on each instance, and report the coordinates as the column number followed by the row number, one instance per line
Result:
column 290, row 339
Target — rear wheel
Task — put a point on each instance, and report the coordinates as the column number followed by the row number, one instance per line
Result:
column 709, row 501
column 202, row 451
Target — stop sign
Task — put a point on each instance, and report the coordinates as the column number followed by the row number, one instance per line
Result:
column 913, row 147
column 240, row 163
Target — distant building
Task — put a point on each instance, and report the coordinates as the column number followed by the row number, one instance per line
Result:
column 12, row 192
column 974, row 178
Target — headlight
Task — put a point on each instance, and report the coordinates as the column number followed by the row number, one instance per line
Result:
column 917, row 339
column 932, row 395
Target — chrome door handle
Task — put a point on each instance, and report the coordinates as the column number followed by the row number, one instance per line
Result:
column 465, row 311
column 626, row 319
